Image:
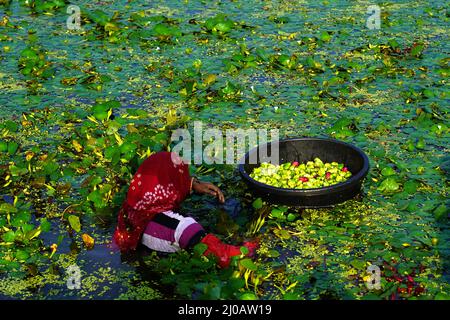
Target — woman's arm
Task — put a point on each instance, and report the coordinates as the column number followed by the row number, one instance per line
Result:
column 207, row 188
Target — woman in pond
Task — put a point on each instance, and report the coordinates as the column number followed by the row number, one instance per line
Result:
column 158, row 187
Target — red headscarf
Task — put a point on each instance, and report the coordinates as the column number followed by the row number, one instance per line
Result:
column 161, row 183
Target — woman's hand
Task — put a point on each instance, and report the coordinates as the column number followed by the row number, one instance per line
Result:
column 207, row 188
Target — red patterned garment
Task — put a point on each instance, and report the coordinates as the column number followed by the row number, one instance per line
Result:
column 160, row 184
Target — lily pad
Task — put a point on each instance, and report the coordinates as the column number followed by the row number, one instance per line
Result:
column 249, row 264
column 74, row 222
column 389, row 185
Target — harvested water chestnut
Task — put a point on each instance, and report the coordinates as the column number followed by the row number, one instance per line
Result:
column 309, row 175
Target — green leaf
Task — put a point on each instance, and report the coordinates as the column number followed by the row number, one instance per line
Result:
column 161, row 138
column 2, row 222
column 9, row 236
column 101, row 115
column 17, row 170
column 249, row 264
column 74, row 222
column 420, row 144
column 101, row 110
column 7, row 208
column 262, row 54
column 284, row 59
column 3, row 146
column 442, row 296
column 290, row 296
column 11, row 125
column 45, row 225
column 29, row 53
column 276, row 213
column 224, row 26
column 219, row 23
column 358, row 264
column 416, row 51
column 27, row 227
column 112, row 153
column 248, row 296
column 440, row 212
column 113, row 126
column 273, row 254
column 258, row 204
column 388, row 171
column 389, row 185
column 98, row 16
column 127, row 147
column 410, row 186
column 235, row 284
column 50, row 167
column 22, row 255
column 325, row 36
column 282, row 234
column 97, row 198
column 30, row 235
column 200, row 248
column 428, row 93
column 371, row 296
column 112, row 104
column 20, row 219
column 105, row 189
column 344, row 127
column 244, row 250
column 12, row 147
column 138, row 113
column 166, row 30
column 95, row 181
column 291, row 217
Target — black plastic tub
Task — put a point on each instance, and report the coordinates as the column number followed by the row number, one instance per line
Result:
column 303, row 150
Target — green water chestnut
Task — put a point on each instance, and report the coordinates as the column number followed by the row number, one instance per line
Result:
column 295, row 175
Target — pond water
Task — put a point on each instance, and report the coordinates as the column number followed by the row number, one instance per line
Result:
column 305, row 68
